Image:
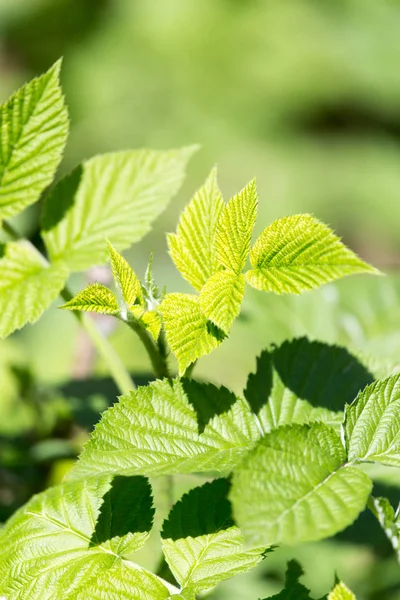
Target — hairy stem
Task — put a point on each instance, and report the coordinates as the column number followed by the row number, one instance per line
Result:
column 116, row 367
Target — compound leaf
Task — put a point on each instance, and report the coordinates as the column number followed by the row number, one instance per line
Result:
column 341, row 592
column 200, row 541
column 33, row 133
column 299, row 253
column 192, row 247
column 28, row 286
column 221, row 298
column 94, row 298
column 50, row 550
column 163, row 429
column 295, row 486
column 128, row 284
column 235, row 228
column 189, row 334
column 372, row 423
column 116, row 195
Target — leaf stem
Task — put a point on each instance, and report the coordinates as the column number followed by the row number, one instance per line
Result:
column 116, row 367
column 157, row 351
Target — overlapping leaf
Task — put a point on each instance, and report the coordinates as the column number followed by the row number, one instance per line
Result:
column 116, row 195
column 94, row 298
column 299, row 253
column 201, row 543
column 221, row 298
column 192, row 247
column 372, row 423
column 50, row 547
column 28, row 286
column 170, row 427
column 33, row 133
column 189, row 334
column 296, row 486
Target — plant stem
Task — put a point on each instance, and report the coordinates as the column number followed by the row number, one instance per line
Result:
column 116, row 367
column 156, row 351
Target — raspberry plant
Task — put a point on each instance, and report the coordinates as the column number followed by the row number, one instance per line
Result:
column 283, row 463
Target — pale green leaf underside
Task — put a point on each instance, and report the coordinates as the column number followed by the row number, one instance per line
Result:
column 192, row 247
column 115, row 196
column 94, row 298
column 189, row 334
column 341, row 592
column 33, row 133
column 299, row 253
column 47, row 551
column 294, row 487
column 384, row 512
column 27, row 287
column 221, row 298
column 372, row 423
column 128, row 284
column 155, row 430
column 235, row 228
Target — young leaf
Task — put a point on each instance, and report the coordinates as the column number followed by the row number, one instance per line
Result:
column 372, row 423
column 28, row 286
column 151, row 321
column 200, row 541
column 221, row 298
column 128, row 284
column 295, row 486
column 294, row 590
column 388, row 520
column 33, row 133
column 192, row 247
column 115, row 195
column 170, row 427
column 94, row 298
column 189, row 334
column 341, row 592
column 299, row 253
column 235, row 228
column 49, row 550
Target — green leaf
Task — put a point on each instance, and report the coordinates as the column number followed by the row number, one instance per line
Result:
column 295, row 486
column 94, row 298
column 341, row 592
column 389, row 521
column 33, row 133
column 221, row 298
column 116, row 195
column 128, row 284
column 49, row 549
column 151, row 321
column 299, row 253
column 235, row 228
column 372, row 423
column 28, row 285
column 189, row 334
column 200, row 541
column 168, row 427
column 192, row 247
column 294, row 590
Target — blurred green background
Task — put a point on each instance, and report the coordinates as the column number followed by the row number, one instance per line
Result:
column 304, row 94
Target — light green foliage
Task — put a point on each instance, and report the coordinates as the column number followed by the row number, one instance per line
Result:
column 293, row 590
column 372, row 423
column 128, row 284
column 33, row 133
column 28, row 285
column 189, row 334
column 201, row 543
column 341, row 592
column 63, row 542
column 388, row 519
column 235, row 228
column 163, row 428
column 94, row 298
column 221, row 298
column 116, row 195
column 295, row 486
column 151, row 321
column 299, row 253
column 192, row 247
